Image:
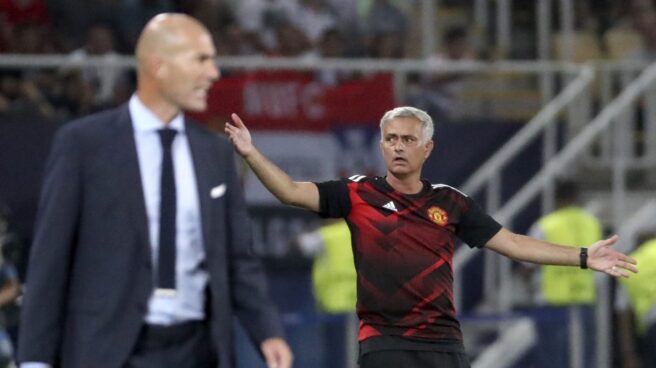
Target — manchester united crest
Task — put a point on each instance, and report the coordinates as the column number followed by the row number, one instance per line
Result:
column 438, row 215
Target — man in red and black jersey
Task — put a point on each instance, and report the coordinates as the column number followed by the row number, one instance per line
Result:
column 403, row 231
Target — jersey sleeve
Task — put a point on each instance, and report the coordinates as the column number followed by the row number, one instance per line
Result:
column 476, row 227
column 334, row 199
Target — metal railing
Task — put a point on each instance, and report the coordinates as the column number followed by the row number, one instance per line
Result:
column 641, row 147
column 545, row 71
column 610, row 118
column 488, row 176
column 520, row 335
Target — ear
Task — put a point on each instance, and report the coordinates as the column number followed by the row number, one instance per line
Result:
column 158, row 67
column 428, row 148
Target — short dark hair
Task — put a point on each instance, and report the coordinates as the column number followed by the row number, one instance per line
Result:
column 454, row 34
column 567, row 191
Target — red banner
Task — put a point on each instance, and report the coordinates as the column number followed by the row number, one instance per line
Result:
column 294, row 101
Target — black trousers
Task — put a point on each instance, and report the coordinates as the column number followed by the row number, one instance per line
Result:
column 413, row 359
column 186, row 345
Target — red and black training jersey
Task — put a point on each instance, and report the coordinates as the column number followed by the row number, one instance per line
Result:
column 403, row 247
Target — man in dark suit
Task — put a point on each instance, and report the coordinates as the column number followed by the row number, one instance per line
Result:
column 142, row 253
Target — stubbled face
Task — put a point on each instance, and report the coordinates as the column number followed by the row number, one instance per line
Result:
column 187, row 73
column 403, row 150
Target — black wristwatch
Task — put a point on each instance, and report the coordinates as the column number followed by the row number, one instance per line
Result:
column 583, row 258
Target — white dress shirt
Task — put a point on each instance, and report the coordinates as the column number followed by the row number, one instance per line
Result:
column 191, row 278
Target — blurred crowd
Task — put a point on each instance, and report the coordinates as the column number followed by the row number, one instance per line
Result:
column 109, row 28
column 312, row 29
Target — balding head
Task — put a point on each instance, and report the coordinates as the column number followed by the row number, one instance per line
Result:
column 166, row 34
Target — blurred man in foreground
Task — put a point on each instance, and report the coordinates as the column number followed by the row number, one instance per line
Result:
column 142, row 252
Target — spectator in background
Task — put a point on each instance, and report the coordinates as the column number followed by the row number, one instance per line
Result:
column 346, row 12
column 74, row 96
column 106, row 75
column 636, row 304
column 565, row 295
column 334, row 286
column 232, row 41
column 643, row 17
column 331, row 45
column 348, row 23
column 438, row 93
column 384, row 16
column 260, row 20
column 314, row 18
column 385, row 29
column 218, row 16
column 9, row 288
column 31, row 88
column 21, row 97
column 291, row 42
column 388, row 45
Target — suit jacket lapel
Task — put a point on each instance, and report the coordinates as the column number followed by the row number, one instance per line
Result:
column 200, row 154
column 127, row 164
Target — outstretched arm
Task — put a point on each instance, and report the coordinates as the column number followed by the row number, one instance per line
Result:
column 300, row 194
column 601, row 257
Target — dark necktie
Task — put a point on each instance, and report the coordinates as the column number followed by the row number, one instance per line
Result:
column 167, row 209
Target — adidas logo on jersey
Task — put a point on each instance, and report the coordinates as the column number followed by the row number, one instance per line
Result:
column 390, row 206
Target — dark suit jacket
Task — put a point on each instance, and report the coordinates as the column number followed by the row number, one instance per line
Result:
column 90, row 271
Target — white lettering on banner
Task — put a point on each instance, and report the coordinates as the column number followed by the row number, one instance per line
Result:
column 252, row 103
column 283, row 100
column 275, row 100
column 311, row 102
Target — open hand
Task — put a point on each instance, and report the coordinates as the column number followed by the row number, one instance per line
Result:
column 239, row 136
column 602, row 258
